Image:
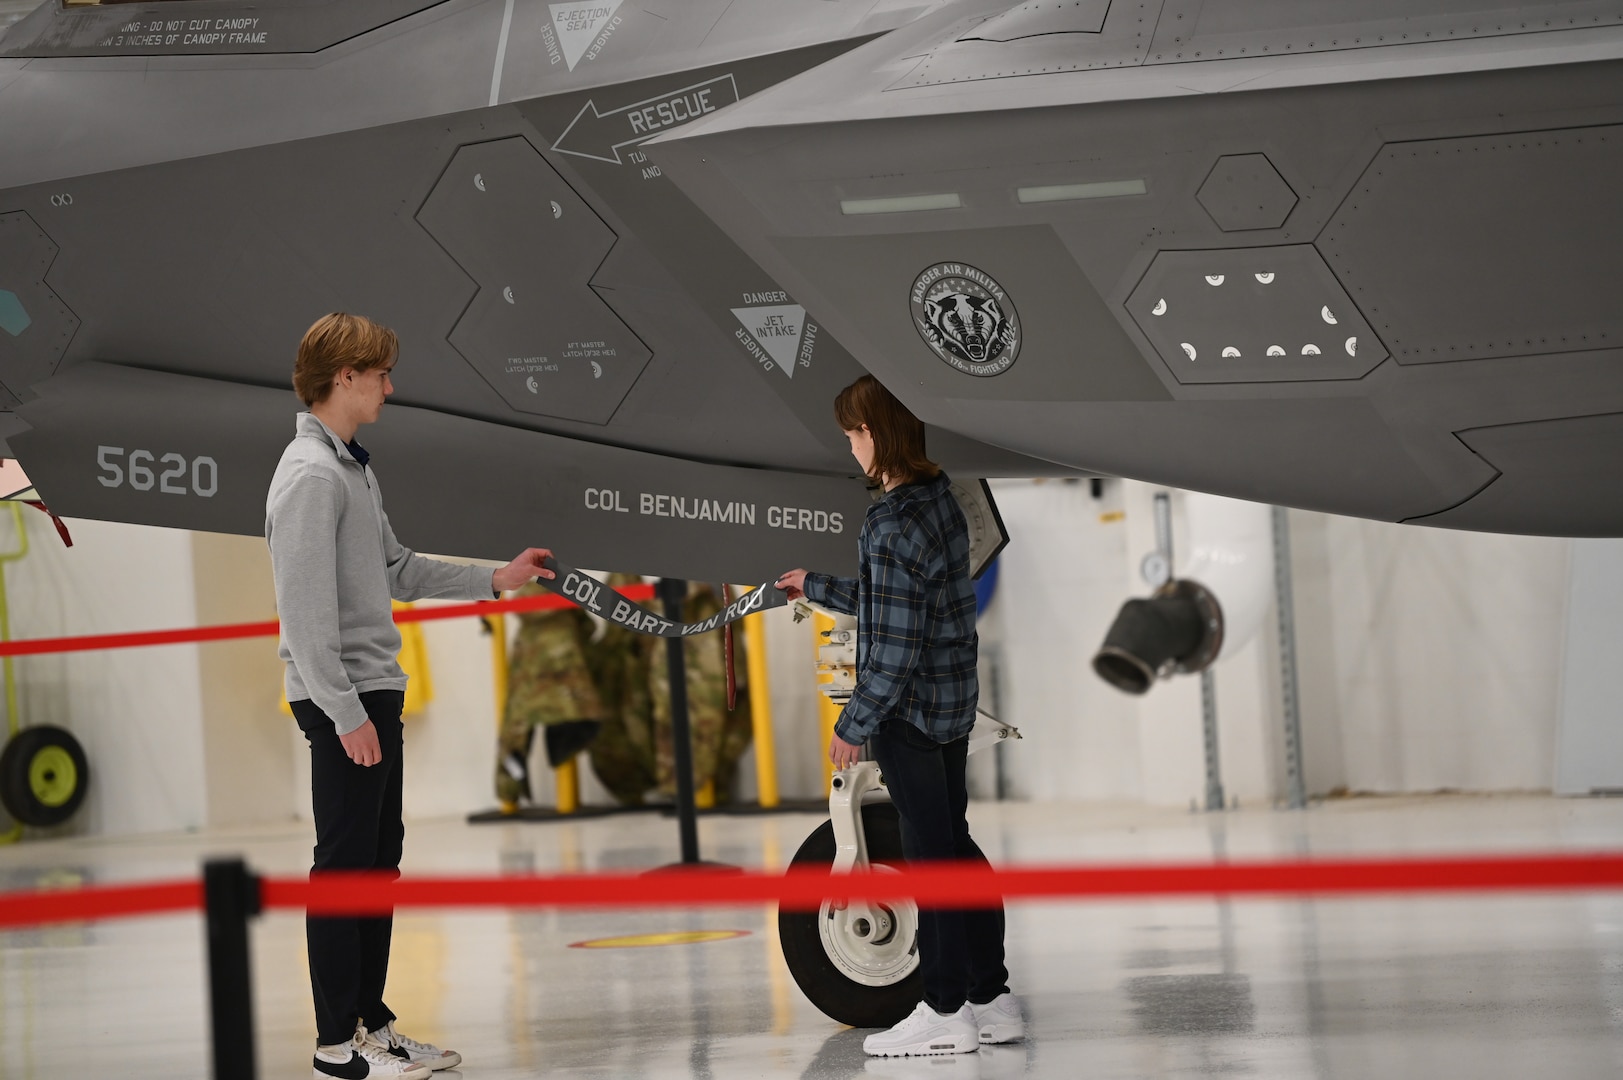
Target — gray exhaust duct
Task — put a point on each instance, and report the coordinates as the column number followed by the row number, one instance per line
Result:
column 1178, row 630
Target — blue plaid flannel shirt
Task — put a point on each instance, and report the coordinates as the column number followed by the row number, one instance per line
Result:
column 915, row 609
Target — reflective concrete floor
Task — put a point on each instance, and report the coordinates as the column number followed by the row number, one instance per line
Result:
column 1391, row 988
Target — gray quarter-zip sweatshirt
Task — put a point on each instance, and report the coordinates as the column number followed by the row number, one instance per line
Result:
column 337, row 564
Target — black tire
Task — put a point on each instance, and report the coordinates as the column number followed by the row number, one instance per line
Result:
column 821, row 979
column 43, row 776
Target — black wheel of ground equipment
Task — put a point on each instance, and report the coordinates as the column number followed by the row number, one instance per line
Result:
column 43, row 776
column 866, row 980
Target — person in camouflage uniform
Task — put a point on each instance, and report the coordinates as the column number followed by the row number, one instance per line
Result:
column 634, row 753
column 719, row 735
column 623, row 753
column 549, row 685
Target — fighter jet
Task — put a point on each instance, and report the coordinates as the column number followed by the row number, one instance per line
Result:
column 1358, row 256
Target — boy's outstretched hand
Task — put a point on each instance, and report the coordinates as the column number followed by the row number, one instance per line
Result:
column 526, row 567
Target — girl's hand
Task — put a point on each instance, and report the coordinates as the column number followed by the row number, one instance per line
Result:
column 842, row 753
column 793, row 583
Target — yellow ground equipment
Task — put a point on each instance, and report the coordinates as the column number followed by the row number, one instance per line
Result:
column 43, row 772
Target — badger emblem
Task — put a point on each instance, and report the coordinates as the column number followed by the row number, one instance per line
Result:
column 966, row 318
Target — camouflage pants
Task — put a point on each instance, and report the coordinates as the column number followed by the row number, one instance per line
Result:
column 548, row 683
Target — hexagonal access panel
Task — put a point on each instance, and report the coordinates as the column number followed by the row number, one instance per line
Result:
column 536, row 331
column 1271, row 314
column 1490, row 246
column 1245, row 191
column 35, row 325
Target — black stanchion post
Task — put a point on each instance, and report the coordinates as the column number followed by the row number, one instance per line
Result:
column 230, row 896
column 674, row 592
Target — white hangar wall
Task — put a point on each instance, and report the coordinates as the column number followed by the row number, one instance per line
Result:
column 137, row 712
column 1428, row 659
column 177, row 736
column 1437, row 655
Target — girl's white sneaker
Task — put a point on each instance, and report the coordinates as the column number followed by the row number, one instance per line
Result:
column 926, row 1031
column 999, row 1020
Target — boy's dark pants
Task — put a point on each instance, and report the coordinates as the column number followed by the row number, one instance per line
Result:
column 960, row 952
column 358, row 827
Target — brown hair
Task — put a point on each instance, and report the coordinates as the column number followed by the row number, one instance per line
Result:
column 898, row 435
column 336, row 342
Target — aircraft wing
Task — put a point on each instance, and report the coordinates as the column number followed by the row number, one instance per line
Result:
column 1356, row 257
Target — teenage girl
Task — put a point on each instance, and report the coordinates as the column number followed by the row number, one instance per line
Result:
column 914, row 704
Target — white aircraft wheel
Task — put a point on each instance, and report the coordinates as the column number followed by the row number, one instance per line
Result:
column 858, row 971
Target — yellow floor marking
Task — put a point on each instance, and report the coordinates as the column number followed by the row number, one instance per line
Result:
column 643, row 941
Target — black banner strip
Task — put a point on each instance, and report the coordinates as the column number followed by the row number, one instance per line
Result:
column 589, row 594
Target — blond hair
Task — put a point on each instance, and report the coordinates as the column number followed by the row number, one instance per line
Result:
column 335, row 342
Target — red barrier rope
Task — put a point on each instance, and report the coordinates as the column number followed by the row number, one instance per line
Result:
column 942, row 885
column 949, row 885
column 271, row 627
column 54, row 905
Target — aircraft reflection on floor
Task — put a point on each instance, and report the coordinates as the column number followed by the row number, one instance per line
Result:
column 1495, row 987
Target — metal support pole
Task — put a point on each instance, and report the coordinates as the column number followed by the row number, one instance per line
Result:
column 230, row 896
column 1287, row 659
column 1208, row 717
column 760, row 689
column 994, row 689
column 1163, row 527
column 674, row 592
column 1208, row 683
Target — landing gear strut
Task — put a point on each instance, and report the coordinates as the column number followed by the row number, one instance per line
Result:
column 857, row 960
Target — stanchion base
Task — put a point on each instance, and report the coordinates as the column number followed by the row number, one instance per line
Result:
column 547, row 813
column 789, row 806
column 703, row 866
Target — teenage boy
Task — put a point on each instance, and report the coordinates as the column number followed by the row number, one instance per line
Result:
column 337, row 564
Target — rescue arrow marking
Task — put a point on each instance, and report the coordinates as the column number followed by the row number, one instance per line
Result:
column 601, row 135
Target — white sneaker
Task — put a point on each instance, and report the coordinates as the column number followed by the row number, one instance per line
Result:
column 926, row 1031
column 939, row 1067
column 408, row 1049
column 364, row 1059
column 999, row 1020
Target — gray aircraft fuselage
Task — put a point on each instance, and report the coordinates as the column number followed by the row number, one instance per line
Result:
column 1357, row 257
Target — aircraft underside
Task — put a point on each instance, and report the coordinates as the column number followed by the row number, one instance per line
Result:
column 1375, row 279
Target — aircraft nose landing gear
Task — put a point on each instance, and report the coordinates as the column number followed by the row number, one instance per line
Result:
column 858, row 962
column 875, row 948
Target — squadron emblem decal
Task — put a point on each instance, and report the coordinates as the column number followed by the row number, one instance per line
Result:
column 966, row 318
